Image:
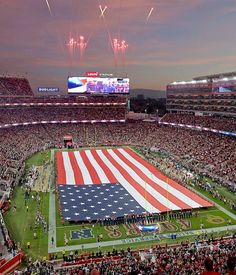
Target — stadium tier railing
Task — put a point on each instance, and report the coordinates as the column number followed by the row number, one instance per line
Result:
column 63, row 104
column 60, row 122
column 91, row 260
column 12, row 264
column 199, row 128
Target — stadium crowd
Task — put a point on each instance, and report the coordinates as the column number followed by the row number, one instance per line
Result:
column 15, row 86
column 31, row 114
column 50, row 100
column 7, row 242
column 208, row 255
column 206, row 153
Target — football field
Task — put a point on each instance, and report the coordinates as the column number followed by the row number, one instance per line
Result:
column 127, row 170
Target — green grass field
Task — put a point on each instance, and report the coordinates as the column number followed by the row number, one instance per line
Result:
column 20, row 222
column 210, row 218
column 38, row 159
column 216, row 200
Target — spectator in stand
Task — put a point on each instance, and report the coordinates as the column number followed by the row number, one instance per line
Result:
column 208, row 264
column 38, row 114
column 184, row 259
column 15, row 86
column 231, row 263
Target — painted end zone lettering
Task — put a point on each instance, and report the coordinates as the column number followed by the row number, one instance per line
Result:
column 81, row 234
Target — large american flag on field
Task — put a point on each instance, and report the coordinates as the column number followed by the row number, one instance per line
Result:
column 101, row 183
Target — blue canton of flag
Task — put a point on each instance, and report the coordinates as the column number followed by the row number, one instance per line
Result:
column 93, row 202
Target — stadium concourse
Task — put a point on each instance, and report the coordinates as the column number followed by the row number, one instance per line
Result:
column 29, row 124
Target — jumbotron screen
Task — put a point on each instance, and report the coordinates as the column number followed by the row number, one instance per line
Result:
column 98, row 85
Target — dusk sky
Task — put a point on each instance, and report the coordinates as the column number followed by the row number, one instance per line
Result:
column 181, row 39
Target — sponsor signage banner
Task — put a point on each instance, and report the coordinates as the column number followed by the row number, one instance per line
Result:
column 106, row 75
column 48, row 89
column 92, row 74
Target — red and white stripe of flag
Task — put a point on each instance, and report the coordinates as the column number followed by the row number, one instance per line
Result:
column 147, row 185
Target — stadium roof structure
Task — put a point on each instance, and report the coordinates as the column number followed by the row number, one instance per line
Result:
column 216, row 76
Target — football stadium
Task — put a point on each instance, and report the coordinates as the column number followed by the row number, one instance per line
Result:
column 98, row 177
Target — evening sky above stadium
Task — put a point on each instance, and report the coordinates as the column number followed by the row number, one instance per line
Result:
column 181, row 39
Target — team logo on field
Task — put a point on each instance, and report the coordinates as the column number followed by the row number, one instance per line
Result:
column 215, row 219
column 85, row 233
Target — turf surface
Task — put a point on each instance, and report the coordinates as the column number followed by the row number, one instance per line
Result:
column 21, row 222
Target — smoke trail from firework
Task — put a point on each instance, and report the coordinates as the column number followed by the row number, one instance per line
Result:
column 122, row 49
column 150, row 12
column 111, row 41
column 82, row 45
column 102, row 11
column 49, row 8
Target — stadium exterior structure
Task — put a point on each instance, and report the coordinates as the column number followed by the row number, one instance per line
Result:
column 206, row 95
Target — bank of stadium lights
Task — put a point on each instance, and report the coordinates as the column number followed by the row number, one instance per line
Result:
column 225, row 79
column 202, row 81
column 213, row 78
column 188, row 82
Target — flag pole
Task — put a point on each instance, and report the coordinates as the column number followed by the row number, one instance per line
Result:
column 95, row 138
column 146, row 201
column 167, row 197
column 87, row 141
